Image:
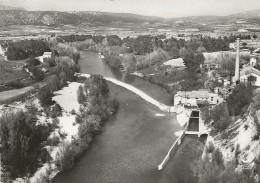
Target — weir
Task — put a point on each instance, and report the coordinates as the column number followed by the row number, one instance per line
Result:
column 143, row 95
column 176, row 144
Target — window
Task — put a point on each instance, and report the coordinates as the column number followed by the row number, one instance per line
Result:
column 211, row 99
column 251, row 79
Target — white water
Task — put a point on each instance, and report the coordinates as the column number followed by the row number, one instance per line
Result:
column 143, row 95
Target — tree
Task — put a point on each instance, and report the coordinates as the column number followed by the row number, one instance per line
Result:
column 53, row 83
column 45, row 96
column 201, row 49
column 80, row 95
column 244, row 44
column 174, row 53
column 32, row 62
column 38, row 74
column 114, row 40
column 193, row 61
column 240, row 98
column 143, row 45
column 186, row 52
column 56, row 111
column 21, row 140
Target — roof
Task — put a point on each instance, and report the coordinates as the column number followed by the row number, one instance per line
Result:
column 248, row 70
column 175, row 62
column 194, row 94
column 47, row 53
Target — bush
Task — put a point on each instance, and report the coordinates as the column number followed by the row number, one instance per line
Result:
column 15, row 84
column 80, row 95
column 210, row 148
column 56, row 111
column 54, row 141
column 55, row 122
column 217, row 157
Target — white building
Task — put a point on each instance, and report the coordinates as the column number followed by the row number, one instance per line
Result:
column 195, row 98
column 2, row 51
column 250, row 74
column 175, row 63
column 44, row 56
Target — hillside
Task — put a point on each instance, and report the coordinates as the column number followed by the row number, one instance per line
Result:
column 253, row 14
column 22, row 17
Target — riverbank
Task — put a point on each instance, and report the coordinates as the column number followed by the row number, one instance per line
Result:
column 68, row 130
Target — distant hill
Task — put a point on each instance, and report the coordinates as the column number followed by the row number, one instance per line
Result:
column 19, row 16
column 2, row 7
column 253, row 14
column 23, row 17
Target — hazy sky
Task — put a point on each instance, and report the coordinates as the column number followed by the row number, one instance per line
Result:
column 164, row 8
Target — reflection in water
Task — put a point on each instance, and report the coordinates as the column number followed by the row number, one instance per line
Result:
column 133, row 142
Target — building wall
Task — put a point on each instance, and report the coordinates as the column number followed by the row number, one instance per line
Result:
column 212, row 99
column 244, row 78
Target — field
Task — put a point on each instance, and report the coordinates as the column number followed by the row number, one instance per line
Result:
column 11, row 71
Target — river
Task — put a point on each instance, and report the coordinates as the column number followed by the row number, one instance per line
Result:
column 133, row 142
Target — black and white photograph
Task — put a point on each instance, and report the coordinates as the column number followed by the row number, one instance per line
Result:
column 129, row 91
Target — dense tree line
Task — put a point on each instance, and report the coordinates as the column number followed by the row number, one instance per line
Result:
column 73, row 38
column 97, row 106
column 232, row 38
column 22, row 139
column 240, row 98
column 25, row 49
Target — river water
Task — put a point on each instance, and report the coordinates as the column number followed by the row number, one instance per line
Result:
column 133, row 142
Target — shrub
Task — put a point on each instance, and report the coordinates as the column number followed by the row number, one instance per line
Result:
column 217, row 157
column 80, row 95
column 210, row 148
column 56, row 111
column 15, row 84
column 54, row 141
column 55, row 122
column 73, row 112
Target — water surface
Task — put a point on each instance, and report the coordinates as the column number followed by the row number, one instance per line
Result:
column 133, row 142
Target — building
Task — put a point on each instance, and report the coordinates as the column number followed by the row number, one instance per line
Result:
column 250, row 74
column 175, row 63
column 2, row 51
column 196, row 98
column 44, row 56
column 253, row 61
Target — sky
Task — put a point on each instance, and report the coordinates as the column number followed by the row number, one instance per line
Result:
column 163, row 8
